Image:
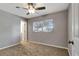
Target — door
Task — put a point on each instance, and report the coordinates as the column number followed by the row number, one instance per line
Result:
column 73, row 29
column 75, row 46
column 23, row 31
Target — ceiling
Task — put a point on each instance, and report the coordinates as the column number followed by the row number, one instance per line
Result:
column 50, row 8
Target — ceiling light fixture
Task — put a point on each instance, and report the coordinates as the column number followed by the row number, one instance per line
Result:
column 30, row 7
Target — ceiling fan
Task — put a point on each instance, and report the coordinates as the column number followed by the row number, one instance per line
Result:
column 31, row 8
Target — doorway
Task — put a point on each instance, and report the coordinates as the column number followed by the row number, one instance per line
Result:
column 23, row 31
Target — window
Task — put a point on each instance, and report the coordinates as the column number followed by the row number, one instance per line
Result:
column 43, row 26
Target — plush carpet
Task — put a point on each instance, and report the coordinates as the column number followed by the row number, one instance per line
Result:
column 33, row 49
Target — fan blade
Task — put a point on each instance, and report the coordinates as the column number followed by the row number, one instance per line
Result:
column 17, row 7
column 21, row 7
column 40, row 8
column 28, row 13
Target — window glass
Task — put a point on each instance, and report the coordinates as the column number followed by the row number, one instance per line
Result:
column 43, row 26
column 40, row 26
column 35, row 26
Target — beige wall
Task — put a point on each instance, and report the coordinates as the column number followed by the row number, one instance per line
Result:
column 58, row 37
column 9, row 29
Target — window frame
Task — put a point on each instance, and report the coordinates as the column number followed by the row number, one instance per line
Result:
column 42, row 25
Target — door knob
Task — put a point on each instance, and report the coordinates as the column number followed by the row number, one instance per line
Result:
column 71, row 42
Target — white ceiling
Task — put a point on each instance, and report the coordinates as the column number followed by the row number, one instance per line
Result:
column 50, row 8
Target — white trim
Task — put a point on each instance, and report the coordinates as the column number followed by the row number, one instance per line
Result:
column 9, row 46
column 49, row 45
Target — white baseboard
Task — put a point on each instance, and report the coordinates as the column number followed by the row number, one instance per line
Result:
column 49, row 45
column 9, row 46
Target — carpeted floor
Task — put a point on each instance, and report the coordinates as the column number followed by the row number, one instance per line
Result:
column 32, row 49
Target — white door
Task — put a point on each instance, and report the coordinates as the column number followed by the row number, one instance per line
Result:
column 75, row 46
column 74, row 30
column 23, row 31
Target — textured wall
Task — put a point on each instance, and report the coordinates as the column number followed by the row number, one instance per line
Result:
column 58, row 37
